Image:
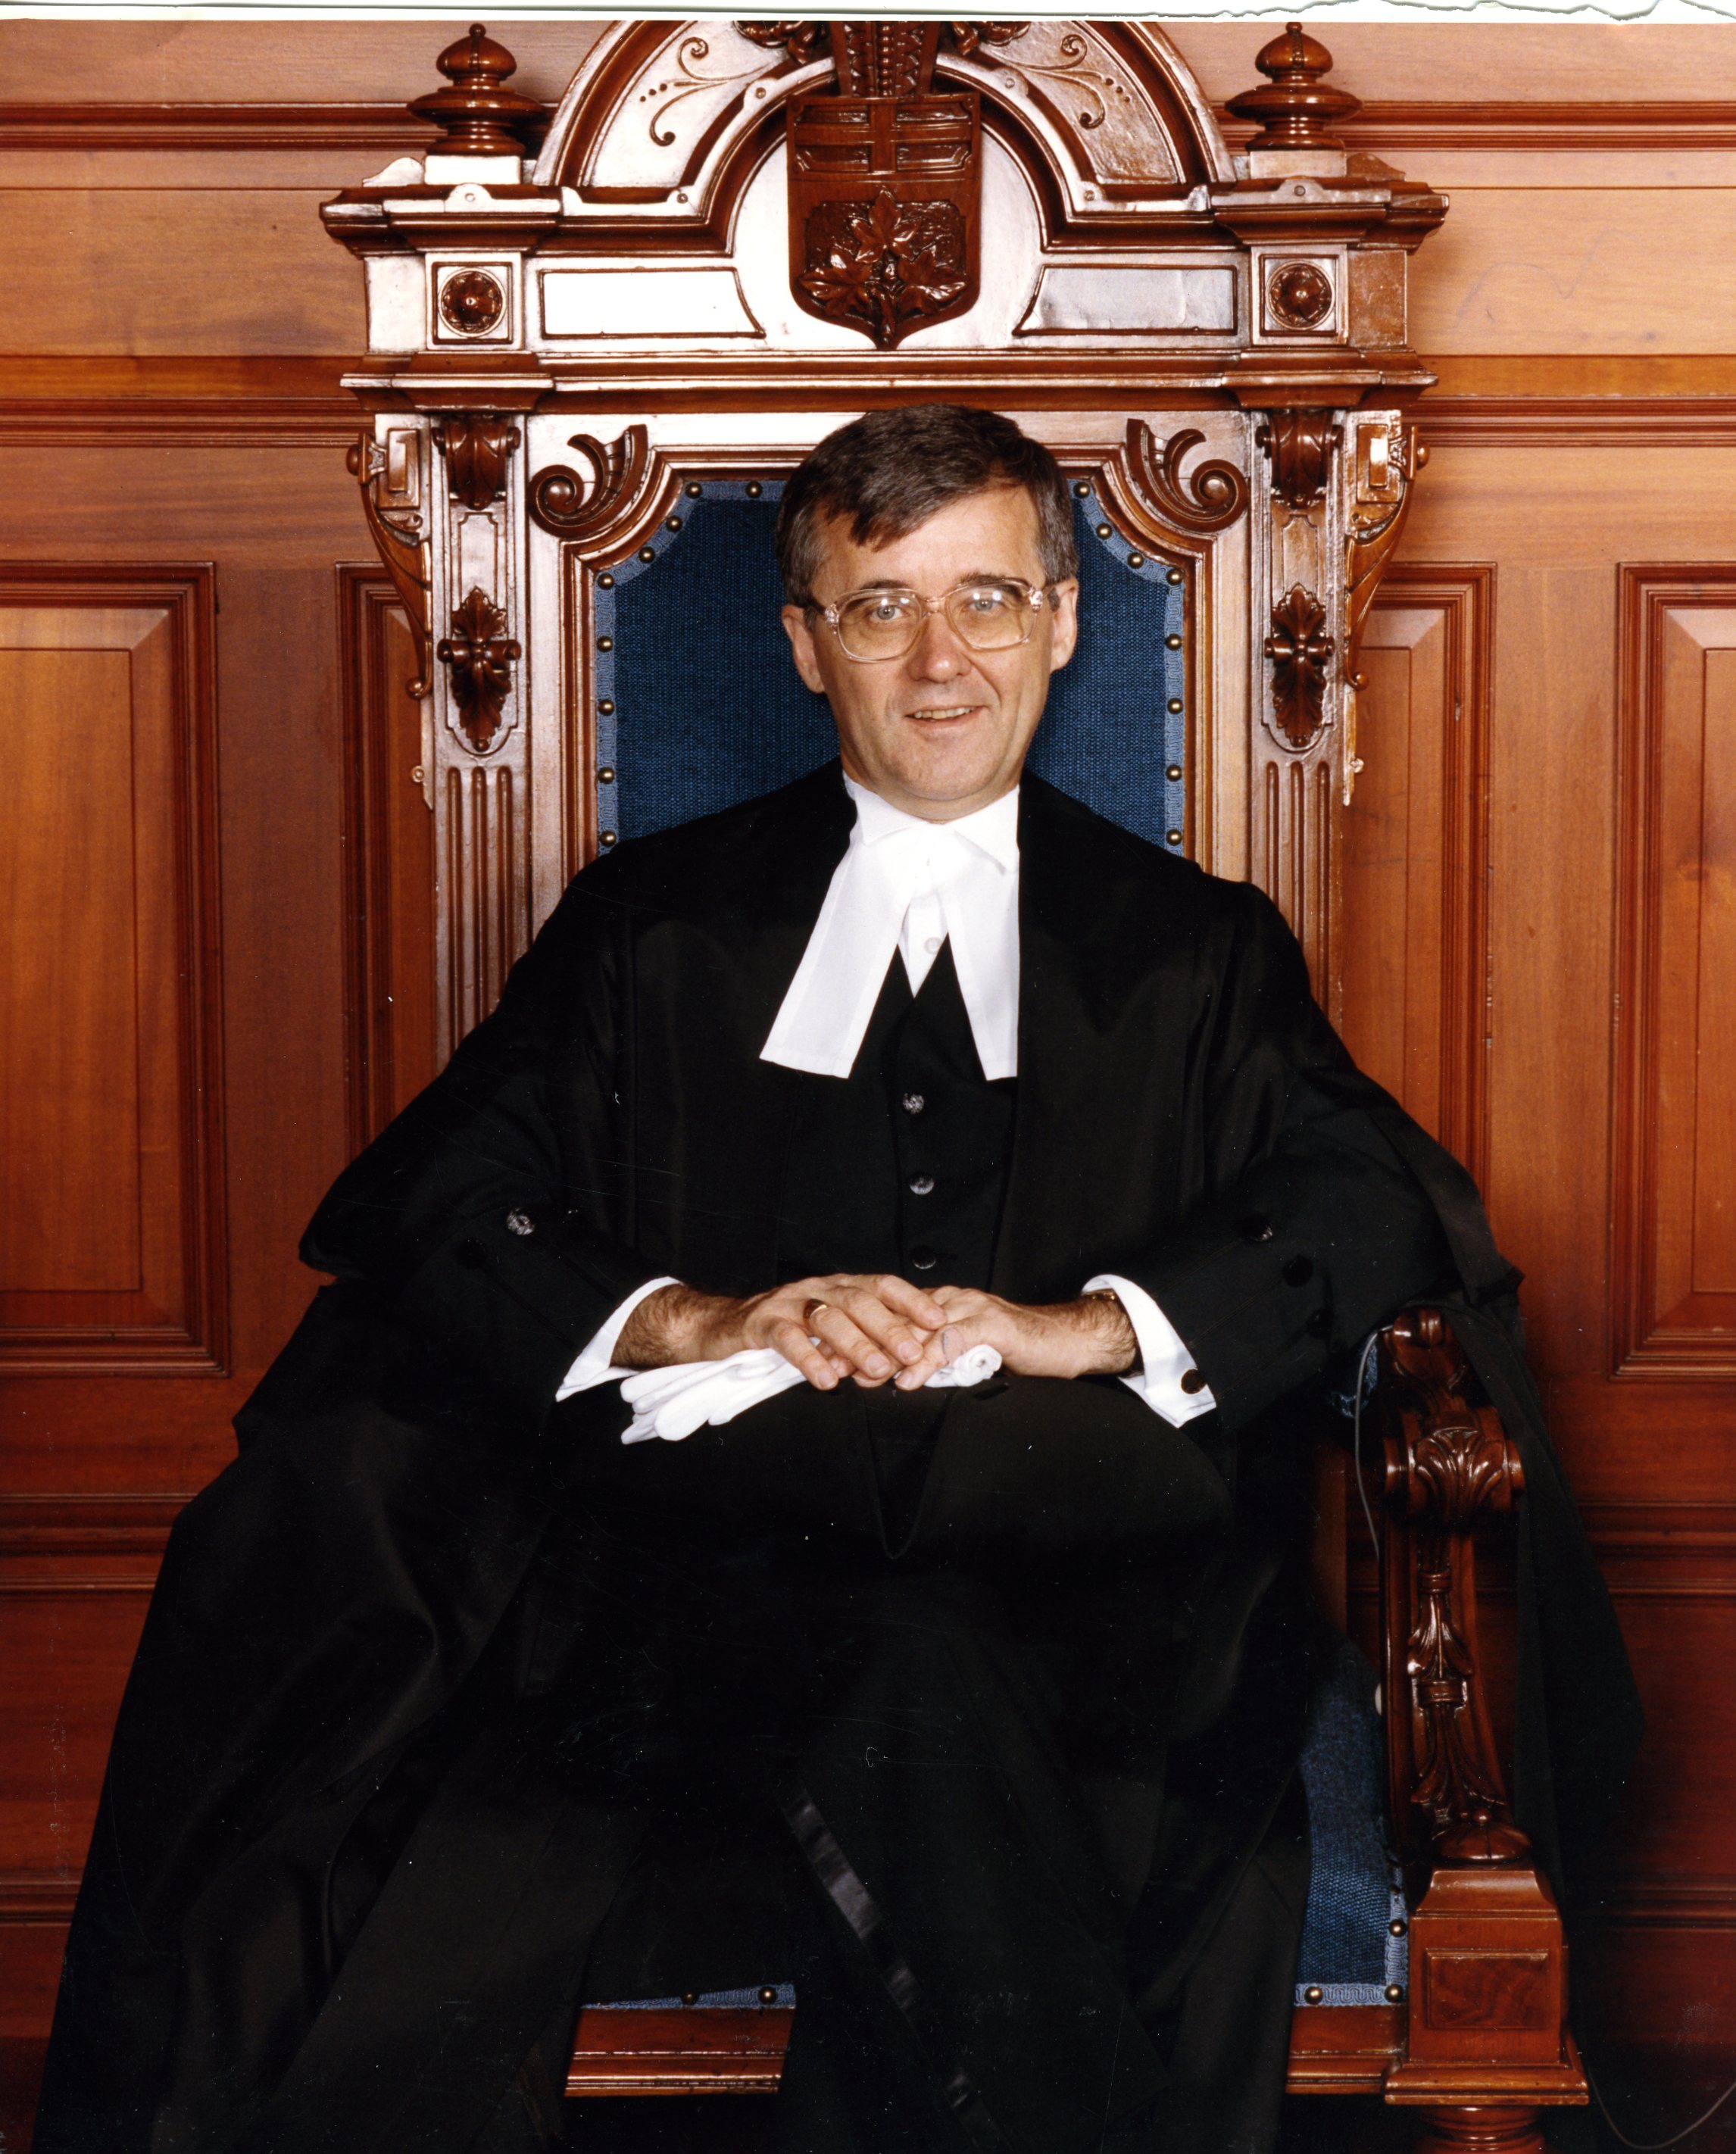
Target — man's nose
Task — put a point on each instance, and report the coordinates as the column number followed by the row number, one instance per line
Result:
column 939, row 653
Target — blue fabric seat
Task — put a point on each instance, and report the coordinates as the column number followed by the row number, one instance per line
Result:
column 1350, row 1952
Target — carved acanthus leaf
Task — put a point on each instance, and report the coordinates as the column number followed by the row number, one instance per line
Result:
column 476, row 446
column 480, row 655
column 1450, row 1461
column 1300, row 652
column 1299, row 444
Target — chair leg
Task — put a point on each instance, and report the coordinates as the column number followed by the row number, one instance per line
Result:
column 1480, row 2128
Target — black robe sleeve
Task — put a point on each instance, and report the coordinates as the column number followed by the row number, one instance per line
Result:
column 1313, row 1227
column 487, row 1215
column 1327, row 1211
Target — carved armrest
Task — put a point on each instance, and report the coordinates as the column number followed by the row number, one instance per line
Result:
column 1446, row 1460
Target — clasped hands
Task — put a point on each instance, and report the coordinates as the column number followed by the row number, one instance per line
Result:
column 876, row 1328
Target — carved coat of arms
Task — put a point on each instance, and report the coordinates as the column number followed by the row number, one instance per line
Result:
column 885, row 181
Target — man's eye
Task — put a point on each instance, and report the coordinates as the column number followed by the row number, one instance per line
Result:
column 988, row 601
column 885, row 611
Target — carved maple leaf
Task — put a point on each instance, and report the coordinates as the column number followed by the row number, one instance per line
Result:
column 889, row 263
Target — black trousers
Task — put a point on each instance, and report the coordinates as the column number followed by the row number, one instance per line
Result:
column 999, row 1637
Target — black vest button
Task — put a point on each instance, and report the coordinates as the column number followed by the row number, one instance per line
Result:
column 913, row 1103
column 922, row 1258
column 922, row 1185
column 1191, row 1381
column 1298, row 1272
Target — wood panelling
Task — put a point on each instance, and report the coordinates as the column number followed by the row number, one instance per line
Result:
column 112, row 1241
column 174, row 394
column 1673, row 1283
column 69, row 1645
column 139, row 271
column 389, row 858
column 1484, row 62
column 1414, row 964
column 1601, row 266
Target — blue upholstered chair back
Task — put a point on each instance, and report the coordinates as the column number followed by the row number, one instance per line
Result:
column 699, row 705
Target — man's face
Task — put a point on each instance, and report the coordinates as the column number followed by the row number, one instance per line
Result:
column 944, row 729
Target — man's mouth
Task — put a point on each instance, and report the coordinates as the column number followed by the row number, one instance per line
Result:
column 935, row 714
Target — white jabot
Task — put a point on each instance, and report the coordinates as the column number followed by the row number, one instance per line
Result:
column 909, row 886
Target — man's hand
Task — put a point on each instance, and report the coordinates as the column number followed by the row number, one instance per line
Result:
column 1090, row 1337
column 868, row 1328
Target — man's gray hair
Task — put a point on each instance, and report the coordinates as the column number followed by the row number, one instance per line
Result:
column 887, row 472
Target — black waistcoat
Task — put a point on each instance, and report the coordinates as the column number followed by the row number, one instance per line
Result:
column 902, row 1166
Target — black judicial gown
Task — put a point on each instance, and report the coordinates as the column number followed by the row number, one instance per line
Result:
column 982, row 1709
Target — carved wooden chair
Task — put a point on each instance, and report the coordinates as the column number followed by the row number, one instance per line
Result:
column 590, row 364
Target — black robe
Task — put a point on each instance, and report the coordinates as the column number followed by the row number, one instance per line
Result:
column 342, row 1612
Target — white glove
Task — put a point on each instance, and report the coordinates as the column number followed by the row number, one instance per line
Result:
column 672, row 1402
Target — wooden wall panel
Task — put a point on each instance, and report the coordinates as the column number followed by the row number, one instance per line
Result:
column 144, row 270
column 1414, row 962
column 1673, row 1279
column 112, row 1236
column 1586, row 418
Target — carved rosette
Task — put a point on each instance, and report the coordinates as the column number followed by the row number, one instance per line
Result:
column 472, row 302
column 480, row 655
column 1447, row 1461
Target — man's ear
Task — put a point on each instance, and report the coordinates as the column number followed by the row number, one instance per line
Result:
column 1064, row 635
column 798, row 628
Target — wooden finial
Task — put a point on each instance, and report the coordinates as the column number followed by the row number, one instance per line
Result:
column 1295, row 109
column 477, row 117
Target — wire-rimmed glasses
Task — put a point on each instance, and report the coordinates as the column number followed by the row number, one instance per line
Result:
column 987, row 613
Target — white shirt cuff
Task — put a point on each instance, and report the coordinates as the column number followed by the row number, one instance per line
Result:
column 593, row 1366
column 1164, row 1360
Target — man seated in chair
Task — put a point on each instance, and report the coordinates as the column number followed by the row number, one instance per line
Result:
column 986, row 1186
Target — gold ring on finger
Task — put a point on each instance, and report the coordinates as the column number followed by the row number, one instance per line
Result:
column 813, row 1310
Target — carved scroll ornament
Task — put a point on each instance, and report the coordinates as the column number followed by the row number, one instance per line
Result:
column 574, row 506
column 1387, row 457
column 400, row 538
column 1299, row 445
column 476, row 446
column 481, row 657
column 1210, row 498
column 1300, row 653
column 1448, row 1461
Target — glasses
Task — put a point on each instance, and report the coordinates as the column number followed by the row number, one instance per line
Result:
column 993, row 613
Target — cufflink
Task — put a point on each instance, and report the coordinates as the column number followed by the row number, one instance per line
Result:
column 1193, row 1381
column 520, row 1223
